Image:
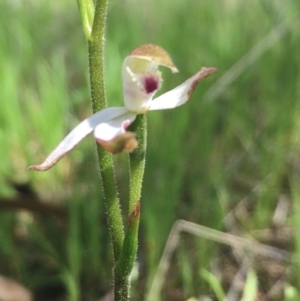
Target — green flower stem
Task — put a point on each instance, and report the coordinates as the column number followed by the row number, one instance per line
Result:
column 127, row 258
column 121, row 292
column 87, row 11
column 96, row 63
column 126, row 261
column 125, row 264
column 137, row 160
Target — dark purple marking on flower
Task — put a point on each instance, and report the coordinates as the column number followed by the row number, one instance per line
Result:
column 150, row 84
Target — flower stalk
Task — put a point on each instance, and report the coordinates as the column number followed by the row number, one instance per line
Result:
column 96, row 64
column 127, row 258
column 137, row 160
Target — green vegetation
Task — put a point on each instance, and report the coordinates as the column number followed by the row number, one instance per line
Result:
column 228, row 160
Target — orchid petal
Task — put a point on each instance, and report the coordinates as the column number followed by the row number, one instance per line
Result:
column 182, row 93
column 147, row 56
column 113, row 137
column 77, row 134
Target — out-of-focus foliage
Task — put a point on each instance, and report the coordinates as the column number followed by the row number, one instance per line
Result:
column 236, row 143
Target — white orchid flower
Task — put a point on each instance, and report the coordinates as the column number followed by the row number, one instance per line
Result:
column 141, row 80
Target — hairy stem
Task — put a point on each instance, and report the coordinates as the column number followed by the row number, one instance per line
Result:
column 137, row 161
column 96, row 63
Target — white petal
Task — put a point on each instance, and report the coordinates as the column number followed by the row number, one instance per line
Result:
column 117, row 126
column 77, row 134
column 112, row 135
column 182, row 93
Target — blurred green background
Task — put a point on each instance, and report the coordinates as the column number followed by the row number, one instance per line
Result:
column 236, row 144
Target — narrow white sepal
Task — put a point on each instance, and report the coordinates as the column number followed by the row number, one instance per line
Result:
column 182, row 93
column 77, row 134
